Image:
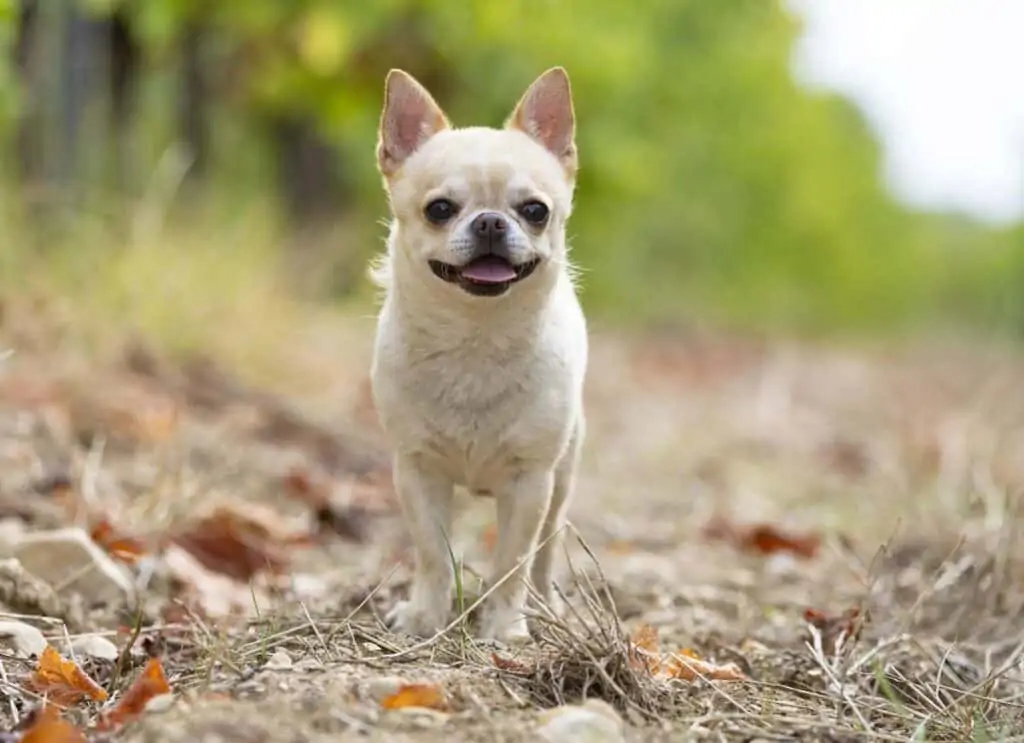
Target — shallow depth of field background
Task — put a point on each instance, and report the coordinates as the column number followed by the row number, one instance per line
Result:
column 189, row 170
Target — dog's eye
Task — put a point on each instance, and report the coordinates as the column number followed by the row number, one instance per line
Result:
column 440, row 211
column 534, row 212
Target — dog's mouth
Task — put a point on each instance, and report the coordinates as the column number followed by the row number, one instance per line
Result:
column 486, row 276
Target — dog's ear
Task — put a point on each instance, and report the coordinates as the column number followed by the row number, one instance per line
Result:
column 410, row 117
column 545, row 113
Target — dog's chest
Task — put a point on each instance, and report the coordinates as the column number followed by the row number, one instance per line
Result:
column 477, row 407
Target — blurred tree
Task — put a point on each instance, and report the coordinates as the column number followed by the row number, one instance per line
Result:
column 709, row 179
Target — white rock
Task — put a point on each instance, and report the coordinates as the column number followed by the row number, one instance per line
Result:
column 24, row 639
column 70, row 561
column 279, row 661
column 94, row 646
column 593, row 722
column 11, row 531
column 159, row 703
column 381, row 688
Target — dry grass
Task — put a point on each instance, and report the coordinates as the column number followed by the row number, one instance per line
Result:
column 907, row 462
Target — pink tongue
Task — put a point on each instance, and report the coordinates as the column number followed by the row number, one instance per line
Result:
column 488, row 271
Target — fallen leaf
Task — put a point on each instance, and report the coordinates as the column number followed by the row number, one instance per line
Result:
column 836, row 631
column 510, row 665
column 489, row 537
column 50, row 727
column 62, row 681
column 645, row 652
column 235, row 544
column 763, row 538
column 430, row 696
column 349, row 522
column 621, row 547
column 126, row 549
column 150, row 683
column 689, row 666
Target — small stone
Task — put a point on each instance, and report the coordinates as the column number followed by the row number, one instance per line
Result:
column 422, row 717
column 279, row 661
column 381, row 688
column 593, row 722
column 160, row 703
column 23, row 593
column 94, row 646
column 23, row 639
column 70, row 561
column 309, row 664
column 11, row 530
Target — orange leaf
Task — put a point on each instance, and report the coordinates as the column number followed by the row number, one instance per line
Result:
column 117, row 545
column 63, row 682
column 430, row 696
column 687, row 665
column 763, row 538
column 645, row 649
column 150, row 683
column 50, row 727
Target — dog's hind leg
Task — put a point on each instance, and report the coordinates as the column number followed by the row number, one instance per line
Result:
column 550, row 537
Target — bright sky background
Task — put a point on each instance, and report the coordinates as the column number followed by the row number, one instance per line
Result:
column 942, row 84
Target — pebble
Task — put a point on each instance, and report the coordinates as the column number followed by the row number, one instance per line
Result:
column 71, row 562
column 94, row 646
column 383, row 687
column 11, row 530
column 24, row 593
column 279, row 661
column 309, row 664
column 23, row 639
column 592, row 722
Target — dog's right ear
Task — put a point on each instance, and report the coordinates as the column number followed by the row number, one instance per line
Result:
column 410, row 118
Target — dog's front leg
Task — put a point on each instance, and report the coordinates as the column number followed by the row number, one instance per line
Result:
column 522, row 505
column 425, row 495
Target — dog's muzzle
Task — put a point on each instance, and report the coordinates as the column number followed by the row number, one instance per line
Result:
column 491, row 271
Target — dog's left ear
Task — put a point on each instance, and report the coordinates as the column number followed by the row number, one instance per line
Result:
column 545, row 113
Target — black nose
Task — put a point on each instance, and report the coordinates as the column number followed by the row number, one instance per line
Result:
column 490, row 226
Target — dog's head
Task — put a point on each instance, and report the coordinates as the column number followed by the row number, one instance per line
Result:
column 479, row 208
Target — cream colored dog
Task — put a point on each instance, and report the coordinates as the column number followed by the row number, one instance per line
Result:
column 481, row 344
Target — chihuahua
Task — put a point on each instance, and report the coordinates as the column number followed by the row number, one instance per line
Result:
column 481, row 346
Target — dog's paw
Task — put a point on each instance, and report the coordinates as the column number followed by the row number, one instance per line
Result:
column 408, row 619
column 504, row 626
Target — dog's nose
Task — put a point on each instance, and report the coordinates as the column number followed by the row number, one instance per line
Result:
column 489, row 226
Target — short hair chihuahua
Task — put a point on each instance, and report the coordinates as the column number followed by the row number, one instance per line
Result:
column 481, row 347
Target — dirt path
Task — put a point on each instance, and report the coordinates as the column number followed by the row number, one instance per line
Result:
column 895, row 474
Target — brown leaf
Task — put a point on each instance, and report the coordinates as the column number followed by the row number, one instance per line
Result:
column 689, row 666
column 645, row 651
column 124, row 548
column 50, row 727
column 235, row 544
column 150, row 683
column 348, row 522
column 63, row 682
column 430, row 696
column 837, row 631
column 510, row 665
column 764, row 539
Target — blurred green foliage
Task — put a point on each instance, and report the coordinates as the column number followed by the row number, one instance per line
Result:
column 712, row 186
